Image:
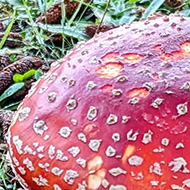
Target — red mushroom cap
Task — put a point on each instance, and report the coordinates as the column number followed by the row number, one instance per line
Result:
column 113, row 114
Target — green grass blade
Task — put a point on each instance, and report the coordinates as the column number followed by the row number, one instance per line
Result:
column 8, row 30
column 13, row 2
column 72, row 31
column 11, row 90
column 152, row 8
column 12, row 106
column 38, row 37
column 75, row 13
column 40, row 5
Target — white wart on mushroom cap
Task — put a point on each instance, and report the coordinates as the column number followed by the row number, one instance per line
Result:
column 113, row 114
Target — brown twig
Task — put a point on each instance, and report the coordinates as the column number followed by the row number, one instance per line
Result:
column 101, row 22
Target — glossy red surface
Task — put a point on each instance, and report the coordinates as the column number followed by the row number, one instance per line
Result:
column 101, row 119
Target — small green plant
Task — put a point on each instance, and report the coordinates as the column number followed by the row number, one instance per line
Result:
column 10, row 91
column 17, row 78
column 38, row 74
column 13, row 58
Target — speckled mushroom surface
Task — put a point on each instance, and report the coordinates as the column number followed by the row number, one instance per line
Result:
column 112, row 114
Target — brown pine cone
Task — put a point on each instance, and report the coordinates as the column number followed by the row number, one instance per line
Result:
column 91, row 30
column 15, row 28
column 53, row 15
column 174, row 3
column 4, row 61
column 5, row 120
column 57, row 39
column 13, row 40
column 70, row 7
column 21, row 66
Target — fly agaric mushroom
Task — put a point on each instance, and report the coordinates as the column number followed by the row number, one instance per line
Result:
column 112, row 114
